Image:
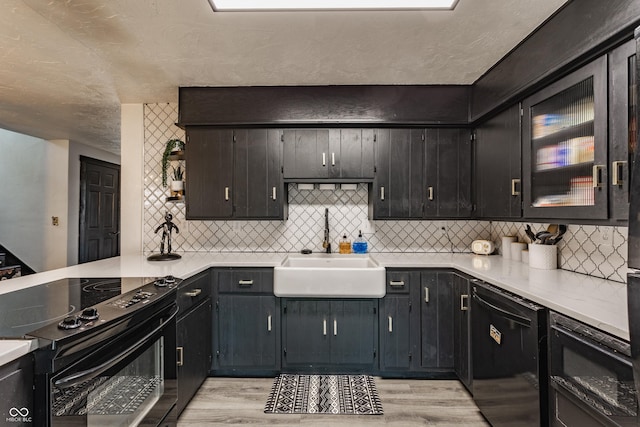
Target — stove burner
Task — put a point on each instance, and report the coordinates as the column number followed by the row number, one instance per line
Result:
column 109, row 285
column 69, row 323
column 88, row 314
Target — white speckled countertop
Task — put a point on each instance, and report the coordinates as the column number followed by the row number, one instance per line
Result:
column 597, row 302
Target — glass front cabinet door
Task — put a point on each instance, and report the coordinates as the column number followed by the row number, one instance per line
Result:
column 565, row 147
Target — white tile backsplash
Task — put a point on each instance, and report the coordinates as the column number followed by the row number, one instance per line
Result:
column 593, row 250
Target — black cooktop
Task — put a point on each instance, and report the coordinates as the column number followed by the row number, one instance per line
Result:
column 28, row 309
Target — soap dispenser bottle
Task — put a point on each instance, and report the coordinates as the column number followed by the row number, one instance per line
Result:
column 345, row 245
column 360, row 245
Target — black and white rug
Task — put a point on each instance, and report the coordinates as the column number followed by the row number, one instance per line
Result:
column 324, row 394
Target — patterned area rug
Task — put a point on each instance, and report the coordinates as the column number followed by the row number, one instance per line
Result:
column 324, row 394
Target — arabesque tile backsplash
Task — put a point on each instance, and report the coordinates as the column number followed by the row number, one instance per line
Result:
column 593, row 250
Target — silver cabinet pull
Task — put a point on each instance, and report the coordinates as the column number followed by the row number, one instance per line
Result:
column 324, row 327
column 245, row 282
column 617, row 172
column 193, row 293
column 396, row 283
column 269, row 323
column 426, row 294
column 514, row 182
column 390, row 324
column 324, row 159
column 333, row 159
column 273, row 193
column 464, row 300
column 335, row 327
column 430, row 193
column 180, row 356
column 226, row 193
column 597, row 175
column 381, row 193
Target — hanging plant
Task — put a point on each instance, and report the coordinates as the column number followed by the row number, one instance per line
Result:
column 172, row 145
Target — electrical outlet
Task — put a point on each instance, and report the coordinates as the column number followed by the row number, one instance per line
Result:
column 367, row 227
column 55, row 221
column 604, row 236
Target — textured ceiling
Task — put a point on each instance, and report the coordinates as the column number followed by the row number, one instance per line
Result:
column 66, row 66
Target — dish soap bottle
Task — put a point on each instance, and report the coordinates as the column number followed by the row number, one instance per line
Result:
column 360, row 245
column 345, row 245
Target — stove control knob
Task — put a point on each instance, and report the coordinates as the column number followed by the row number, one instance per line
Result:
column 69, row 323
column 170, row 279
column 161, row 283
column 90, row 313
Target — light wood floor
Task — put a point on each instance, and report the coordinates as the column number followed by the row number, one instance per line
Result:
column 223, row 401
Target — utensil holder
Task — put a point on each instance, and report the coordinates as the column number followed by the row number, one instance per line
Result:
column 506, row 246
column 516, row 250
column 543, row 257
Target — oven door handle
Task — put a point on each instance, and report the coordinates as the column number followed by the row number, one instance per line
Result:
column 79, row 377
column 598, row 348
column 526, row 322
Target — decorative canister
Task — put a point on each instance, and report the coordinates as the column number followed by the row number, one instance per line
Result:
column 505, row 249
column 516, row 250
column 544, row 257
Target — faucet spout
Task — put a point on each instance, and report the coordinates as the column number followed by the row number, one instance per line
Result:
column 326, row 244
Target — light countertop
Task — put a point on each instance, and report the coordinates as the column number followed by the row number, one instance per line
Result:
column 597, row 302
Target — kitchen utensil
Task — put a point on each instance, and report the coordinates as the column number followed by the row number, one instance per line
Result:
column 529, row 233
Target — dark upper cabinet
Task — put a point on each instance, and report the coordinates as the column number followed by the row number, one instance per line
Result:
column 623, row 136
column 337, row 154
column 564, row 131
column 447, row 173
column 397, row 191
column 234, row 174
column 209, row 176
column 498, row 150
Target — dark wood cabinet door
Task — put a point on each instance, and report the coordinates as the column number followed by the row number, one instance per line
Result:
column 306, row 153
column 258, row 186
column 498, row 166
column 623, row 133
column 353, row 333
column 209, row 176
column 246, row 332
column 306, row 333
column 461, row 326
column 447, row 189
column 397, row 189
column 194, row 351
column 436, row 317
column 395, row 333
column 351, row 154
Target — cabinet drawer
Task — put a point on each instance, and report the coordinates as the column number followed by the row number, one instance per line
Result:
column 398, row 282
column 192, row 291
column 246, row 280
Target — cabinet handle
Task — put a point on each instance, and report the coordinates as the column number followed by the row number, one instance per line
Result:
column 597, row 176
column 193, row 293
column 273, row 193
column 245, row 282
column 180, row 356
column 335, row 327
column 430, row 193
column 333, row 159
column 324, row 159
column 381, row 193
column 617, row 172
column 390, row 324
column 397, row 283
column 464, row 299
column 269, row 323
column 426, row 294
column 324, row 327
column 514, row 182
column 226, row 193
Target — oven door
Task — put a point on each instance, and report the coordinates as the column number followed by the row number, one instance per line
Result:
column 127, row 381
column 590, row 381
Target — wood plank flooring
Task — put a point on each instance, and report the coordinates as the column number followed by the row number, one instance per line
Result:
column 443, row 403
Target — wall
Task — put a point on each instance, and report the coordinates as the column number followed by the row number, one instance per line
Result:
column 597, row 251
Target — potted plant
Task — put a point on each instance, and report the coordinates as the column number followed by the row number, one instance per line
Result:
column 177, row 184
column 173, row 145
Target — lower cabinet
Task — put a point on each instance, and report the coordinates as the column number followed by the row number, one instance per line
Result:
column 436, row 320
column 246, row 323
column 462, row 330
column 329, row 335
column 16, row 391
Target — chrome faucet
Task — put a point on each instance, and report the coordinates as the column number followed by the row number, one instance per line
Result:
column 326, row 244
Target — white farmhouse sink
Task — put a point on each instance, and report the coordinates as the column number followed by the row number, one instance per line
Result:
column 329, row 276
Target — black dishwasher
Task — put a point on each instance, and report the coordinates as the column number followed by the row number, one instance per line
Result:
column 509, row 358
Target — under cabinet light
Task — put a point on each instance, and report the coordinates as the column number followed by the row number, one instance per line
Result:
column 264, row 5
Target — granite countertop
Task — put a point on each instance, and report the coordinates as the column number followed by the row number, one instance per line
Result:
column 597, row 302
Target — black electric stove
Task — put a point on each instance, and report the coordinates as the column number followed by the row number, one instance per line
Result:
column 46, row 306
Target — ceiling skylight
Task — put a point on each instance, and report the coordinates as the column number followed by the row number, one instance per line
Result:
column 256, row 5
